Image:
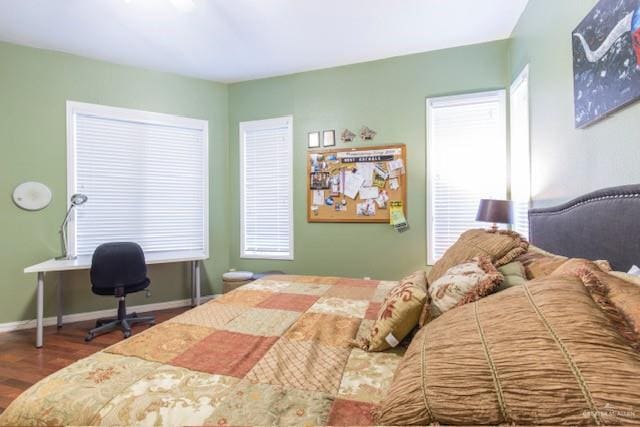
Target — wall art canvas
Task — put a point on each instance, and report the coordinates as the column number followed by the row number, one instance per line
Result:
column 606, row 60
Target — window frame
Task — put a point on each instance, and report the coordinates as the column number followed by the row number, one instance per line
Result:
column 452, row 100
column 522, row 78
column 249, row 125
column 142, row 116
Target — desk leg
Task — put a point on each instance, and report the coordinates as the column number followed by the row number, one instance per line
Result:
column 192, row 276
column 40, row 310
column 59, row 302
column 197, row 271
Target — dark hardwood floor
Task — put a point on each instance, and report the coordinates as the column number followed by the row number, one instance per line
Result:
column 22, row 365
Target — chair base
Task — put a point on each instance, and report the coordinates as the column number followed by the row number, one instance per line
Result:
column 108, row 325
column 123, row 322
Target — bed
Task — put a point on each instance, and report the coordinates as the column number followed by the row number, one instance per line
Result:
column 279, row 351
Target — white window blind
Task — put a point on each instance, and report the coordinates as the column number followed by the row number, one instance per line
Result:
column 520, row 166
column 467, row 161
column 146, row 178
column 266, row 162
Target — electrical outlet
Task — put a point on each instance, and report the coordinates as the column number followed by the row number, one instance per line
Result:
column 148, row 293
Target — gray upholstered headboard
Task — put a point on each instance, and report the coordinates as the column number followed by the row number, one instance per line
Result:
column 604, row 224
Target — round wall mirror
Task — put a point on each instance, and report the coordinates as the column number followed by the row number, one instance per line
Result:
column 32, row 196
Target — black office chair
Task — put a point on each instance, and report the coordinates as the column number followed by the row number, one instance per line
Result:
column 118, row 269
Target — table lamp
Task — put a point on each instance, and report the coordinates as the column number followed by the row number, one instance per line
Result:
column 495, row 212
column 76, row 200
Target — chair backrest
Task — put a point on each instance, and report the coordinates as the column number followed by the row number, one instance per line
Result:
column 118, row 264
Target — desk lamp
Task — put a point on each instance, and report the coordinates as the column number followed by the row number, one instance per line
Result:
column 77, row 199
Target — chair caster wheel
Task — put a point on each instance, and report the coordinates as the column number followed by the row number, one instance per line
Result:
column 89, row 337
column 153, row 322
column 127, row 334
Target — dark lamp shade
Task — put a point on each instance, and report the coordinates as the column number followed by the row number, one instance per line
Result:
column 495, row 211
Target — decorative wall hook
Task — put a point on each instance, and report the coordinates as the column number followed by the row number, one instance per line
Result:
column 347, row 136
column 367, row 134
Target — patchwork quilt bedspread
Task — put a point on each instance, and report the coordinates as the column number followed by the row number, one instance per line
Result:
column 273, row 352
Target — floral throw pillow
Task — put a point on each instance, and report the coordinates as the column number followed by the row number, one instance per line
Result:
column 462, row 284
column 399, row 313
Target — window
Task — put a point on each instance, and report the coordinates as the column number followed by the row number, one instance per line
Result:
column 266, row 188
column 467, row 161
column 145, row 176
column 520, row 165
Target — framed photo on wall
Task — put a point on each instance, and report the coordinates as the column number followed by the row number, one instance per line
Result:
column 328, row 138
column 314, row 139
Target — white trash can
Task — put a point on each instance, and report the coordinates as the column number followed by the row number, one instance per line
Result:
column 234, row 279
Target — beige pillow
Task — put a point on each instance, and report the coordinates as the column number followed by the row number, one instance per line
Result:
column 542, row 266
column 500, row 246
column 539, row 263
column 398, row 314
column 624, row 293
column 617, row 296
column 461, row 284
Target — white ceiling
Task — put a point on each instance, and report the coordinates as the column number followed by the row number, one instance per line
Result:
column 232, row 40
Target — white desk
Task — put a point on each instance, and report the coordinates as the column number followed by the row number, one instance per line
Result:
column 84, row 263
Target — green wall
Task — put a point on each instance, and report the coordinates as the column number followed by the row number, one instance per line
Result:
column 568, row 162
column 34, row 87
column 388, row 96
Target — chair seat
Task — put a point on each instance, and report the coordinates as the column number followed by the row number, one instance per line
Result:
column 127, row 288
column 118, row 269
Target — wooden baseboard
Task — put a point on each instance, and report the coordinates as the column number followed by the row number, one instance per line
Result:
column 91, row 315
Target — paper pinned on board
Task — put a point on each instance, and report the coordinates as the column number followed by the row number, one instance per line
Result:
column 366, row 208
column 396, row 216
column 380, row 171
column 382, row 200
column 369, row 192
column 318, row 197
column 352, row 184
column 365, row 170
column 394, row 165
column 394, row 184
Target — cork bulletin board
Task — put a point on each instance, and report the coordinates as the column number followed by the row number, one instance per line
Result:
column 355, row 184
